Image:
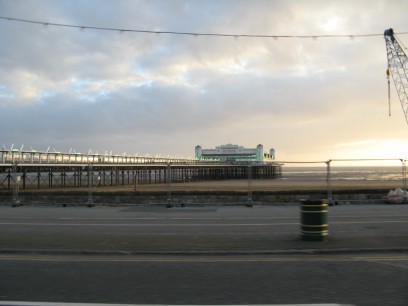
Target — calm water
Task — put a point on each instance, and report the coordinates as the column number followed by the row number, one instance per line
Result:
column 343, row 173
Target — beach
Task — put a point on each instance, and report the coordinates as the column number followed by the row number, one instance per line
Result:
column 292, row 179
column 273, row 185
column 215, row 192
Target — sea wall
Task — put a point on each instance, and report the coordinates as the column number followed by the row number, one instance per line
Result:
column 67, row 198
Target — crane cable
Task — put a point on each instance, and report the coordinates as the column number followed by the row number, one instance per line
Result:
column 389, row 92
column 195, row 34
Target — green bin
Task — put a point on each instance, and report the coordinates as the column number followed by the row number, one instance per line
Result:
column 314, row 225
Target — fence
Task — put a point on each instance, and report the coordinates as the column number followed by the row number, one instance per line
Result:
column 174, row 183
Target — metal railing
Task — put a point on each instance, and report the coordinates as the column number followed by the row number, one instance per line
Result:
column 172, row 173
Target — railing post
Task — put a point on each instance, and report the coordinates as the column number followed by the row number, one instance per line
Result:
column 329, row 183
column 404, row 174
column 169, row 205
column 249, row 203
column 135, row 178
column 16, row 200
column 90, row 196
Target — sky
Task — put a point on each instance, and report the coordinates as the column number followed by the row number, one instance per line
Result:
column 122, row 91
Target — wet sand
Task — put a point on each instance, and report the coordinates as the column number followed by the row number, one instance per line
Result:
column 274, row 185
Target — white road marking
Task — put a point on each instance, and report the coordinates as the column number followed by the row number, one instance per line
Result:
column 14, row 303
column 193, row 224
column 181, row 259
column 147, row 225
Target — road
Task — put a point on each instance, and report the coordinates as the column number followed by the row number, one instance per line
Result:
column 356, row 280
column 205, row 255
column 198, row 229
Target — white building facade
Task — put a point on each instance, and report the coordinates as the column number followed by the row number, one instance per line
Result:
column 234, row 153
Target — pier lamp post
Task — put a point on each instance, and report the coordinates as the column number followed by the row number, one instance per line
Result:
column 249, row 203
column 168, row 205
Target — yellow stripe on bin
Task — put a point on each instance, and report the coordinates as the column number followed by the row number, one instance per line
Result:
column 314, row 211
column 324, row 232
column 322, row 225
column 322, row 205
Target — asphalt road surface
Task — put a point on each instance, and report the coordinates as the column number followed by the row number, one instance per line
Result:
column 201, row 229
column 373, row 279
column 206, row 255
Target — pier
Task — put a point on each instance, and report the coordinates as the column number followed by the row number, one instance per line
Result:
column 39, row 170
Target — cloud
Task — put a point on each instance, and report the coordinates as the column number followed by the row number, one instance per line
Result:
column 138, row 92
column 356, row 143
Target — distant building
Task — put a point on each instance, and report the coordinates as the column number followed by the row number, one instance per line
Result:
column 234, row 153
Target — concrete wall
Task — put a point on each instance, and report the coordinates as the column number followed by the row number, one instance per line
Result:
column 193, row 198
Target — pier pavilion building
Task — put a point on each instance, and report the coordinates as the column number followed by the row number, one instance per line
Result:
column 234, row 153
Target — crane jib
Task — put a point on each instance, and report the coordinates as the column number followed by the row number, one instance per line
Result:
column 397, row 68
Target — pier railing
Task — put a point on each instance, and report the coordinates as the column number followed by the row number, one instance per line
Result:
column 49, row 157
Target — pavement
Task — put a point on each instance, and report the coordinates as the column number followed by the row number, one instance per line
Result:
column 198, row 230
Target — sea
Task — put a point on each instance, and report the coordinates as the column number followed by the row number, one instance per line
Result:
column 364, row 173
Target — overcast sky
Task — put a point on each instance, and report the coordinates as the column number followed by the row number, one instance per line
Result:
column 309, row 99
